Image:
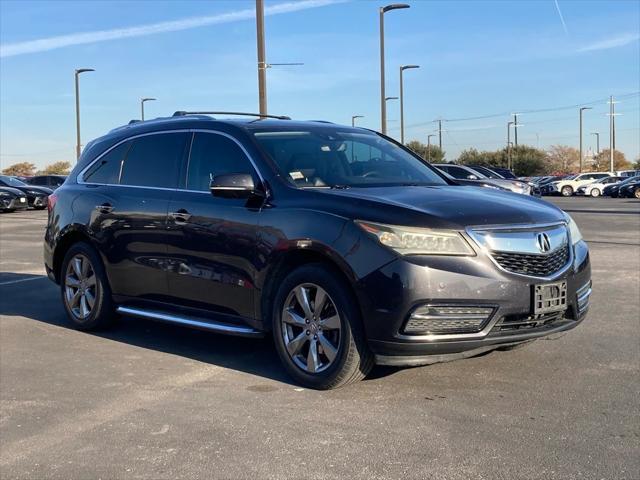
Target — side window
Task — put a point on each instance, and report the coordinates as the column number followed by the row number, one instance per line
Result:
column 212, row 155
column 457, row 172
column 39, row 181
column 107, row 169
column 154, row 160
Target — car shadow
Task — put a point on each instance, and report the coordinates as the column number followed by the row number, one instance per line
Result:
column 35, row 298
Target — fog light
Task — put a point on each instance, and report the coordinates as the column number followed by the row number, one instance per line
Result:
column 439, row 320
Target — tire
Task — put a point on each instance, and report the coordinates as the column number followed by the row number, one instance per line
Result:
column 77, row 288
column 334, row 331
column 636, row 193
column 566, row 191
column 595, row 192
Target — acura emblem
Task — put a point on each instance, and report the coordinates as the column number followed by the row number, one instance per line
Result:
column 543, row 242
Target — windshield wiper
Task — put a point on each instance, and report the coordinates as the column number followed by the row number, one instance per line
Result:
column 340, row 187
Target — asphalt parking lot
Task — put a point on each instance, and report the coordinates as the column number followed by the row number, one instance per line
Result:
column 149, row 400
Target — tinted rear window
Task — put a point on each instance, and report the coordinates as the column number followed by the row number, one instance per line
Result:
column 154, row 160
column 107, row 169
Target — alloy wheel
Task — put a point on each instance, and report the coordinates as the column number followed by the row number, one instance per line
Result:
column 80, row 286
column 595, row 192
column 311, row 328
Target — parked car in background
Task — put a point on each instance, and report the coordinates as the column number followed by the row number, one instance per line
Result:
column 12, row 199
column 596, row 187
column 49, row 181
column 464, row 172
column 505, row 172
column 36, row 196
column 628, row 173
column 631, row 190
column 343, row 245
column 568, row 186
column 614, row 190
column 473, row 183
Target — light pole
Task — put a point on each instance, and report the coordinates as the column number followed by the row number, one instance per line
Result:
column 262, row 66
column 582, row 109
column 515, row 128
column 429, row 146
column 353, row 119
column 383, row 104
column 509, row 144
column 597, row 134
column 402, row 69
column 78, row 72
column 142, row 100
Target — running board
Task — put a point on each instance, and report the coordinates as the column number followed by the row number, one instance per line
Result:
column 193, row 322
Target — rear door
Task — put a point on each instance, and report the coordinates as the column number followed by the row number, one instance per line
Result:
column 212, row 240
column 130, row 212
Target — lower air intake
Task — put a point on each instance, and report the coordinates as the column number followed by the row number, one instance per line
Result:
column 440, row 320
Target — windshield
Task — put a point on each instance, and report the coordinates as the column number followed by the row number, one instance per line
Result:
column 487, row 173
column 317, row 158
column 630, row 179
column 11, row 182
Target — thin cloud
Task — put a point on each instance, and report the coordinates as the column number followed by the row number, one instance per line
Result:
column 73, row 39
column 611, row 42
column 564, row 25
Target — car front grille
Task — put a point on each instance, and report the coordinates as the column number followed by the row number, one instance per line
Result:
column 542, row 265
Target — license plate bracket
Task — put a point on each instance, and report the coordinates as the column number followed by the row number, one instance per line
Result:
column 550, row 297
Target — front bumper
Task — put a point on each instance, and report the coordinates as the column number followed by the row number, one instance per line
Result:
column 389, row 295
column 37, row 201
column 13, row 203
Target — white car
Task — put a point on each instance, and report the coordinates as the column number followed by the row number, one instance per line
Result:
column 568, row 186
column 595, row 188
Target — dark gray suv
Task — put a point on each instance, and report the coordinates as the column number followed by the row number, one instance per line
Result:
column 344, row 245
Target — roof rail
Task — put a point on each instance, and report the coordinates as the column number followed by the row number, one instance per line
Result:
column 181, row 113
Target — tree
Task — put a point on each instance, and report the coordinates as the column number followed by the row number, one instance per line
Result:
column 563, row 159
column 22, row 169
column 527, row 161
column 57, row 168
column 636, row 165
column 602, row 162
column 433, row 153
column 484, row 158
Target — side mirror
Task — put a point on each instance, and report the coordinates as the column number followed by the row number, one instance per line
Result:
column 234, row 185
column 471, row 176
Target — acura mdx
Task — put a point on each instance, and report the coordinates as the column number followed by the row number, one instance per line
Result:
column 340, row 242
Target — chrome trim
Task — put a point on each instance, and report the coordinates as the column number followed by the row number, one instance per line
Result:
column 191, row 322
column 524, row 227
column 80, row 180
column 583, row 297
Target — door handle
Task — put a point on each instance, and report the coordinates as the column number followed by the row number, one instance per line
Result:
column 181, row 216
column 104, row 208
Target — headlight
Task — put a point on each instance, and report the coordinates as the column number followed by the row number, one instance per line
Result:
column 486, row 185
column 576, row 236
column 418, row 241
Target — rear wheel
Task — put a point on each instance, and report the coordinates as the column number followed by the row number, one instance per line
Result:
column 85, row 291
column 566, row 191
column 595, row 192
column 636, row 192
column 317, row 329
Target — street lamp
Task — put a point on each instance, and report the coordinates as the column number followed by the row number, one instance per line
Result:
column 78, row 72
column 429, row 146
column 353, row 119
column 509, row 144
column 142, row 100
column 383, row 103
column 597, row 134
column 402, row 69
column 582, row 109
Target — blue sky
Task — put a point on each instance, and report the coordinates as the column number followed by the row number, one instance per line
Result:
column 477, row 59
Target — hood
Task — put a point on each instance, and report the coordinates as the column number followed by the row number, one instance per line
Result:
column 15, row 191
column 33, row 188
column 450, row 206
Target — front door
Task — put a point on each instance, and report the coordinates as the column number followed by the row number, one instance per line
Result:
column 212, row 241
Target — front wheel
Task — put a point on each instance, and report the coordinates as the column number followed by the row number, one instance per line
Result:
column 595, row 192
column 566, row 191
column 85, row 291
column 636, row 192
column 317, row 329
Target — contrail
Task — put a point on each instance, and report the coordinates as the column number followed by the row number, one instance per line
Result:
column 52, row 43
column 564, row 25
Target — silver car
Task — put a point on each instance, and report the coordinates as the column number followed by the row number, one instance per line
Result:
column 463, row 172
